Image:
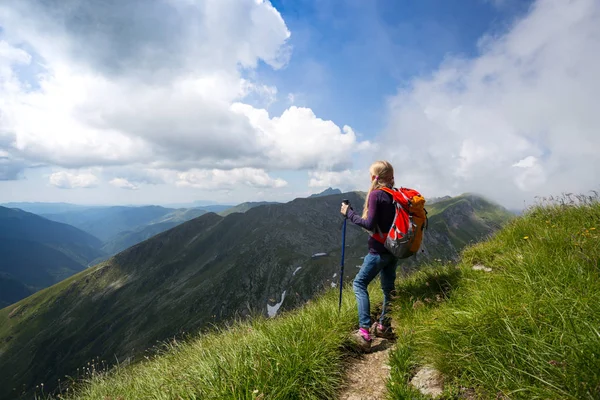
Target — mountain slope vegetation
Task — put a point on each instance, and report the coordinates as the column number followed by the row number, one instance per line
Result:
column 461, row 220
column 11, row 290
column 243, row 207
column 121, row 227
column 106, row 222
column 126, row 239
column 519, row 319
column 526, row 329
column 37, row 253
column 207, row 270
column 327, row 192
column 40, row 208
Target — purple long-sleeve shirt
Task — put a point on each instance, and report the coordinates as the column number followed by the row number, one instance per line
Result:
column 381, row 214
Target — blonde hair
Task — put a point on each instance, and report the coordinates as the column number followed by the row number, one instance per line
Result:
column 383, row 173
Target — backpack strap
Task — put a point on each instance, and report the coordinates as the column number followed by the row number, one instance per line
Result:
column 398, row 196
column 379, row 235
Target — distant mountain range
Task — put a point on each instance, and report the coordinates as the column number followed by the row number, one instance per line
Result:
column 207, row 270
column 46, row 208
column 113, row 229
column 36, row 253
column 121, row 227
column 243, row 207
column 106, row 222
column 327, row 192
column 128, row 238
column 12, row 290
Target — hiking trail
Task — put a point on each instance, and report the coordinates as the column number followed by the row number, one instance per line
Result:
column 368, row 373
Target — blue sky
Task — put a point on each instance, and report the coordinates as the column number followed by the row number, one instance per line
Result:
column 171, row 101
column 360, row 52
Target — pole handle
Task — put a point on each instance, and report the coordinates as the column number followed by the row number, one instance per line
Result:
column 347, row 202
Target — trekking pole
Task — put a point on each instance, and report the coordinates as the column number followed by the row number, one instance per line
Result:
column 345, row 201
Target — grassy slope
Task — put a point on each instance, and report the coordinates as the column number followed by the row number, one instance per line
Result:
column 243, row 207
column 38, row 252
column 485, row 213
column 527, row 330
column 106, row 222
column 298, row 356
column 11, row 290
column 458, row 222
column 79, row 318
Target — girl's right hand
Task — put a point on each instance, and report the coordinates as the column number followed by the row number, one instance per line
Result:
column 344, row 209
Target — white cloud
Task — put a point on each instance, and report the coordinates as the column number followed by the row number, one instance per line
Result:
column 527, row 162
column 169, row 101
column 123, row 184
column 520, row 118
column 227, row 180
column 300, row 140
column 345, row 180
column 264, row 94
column 10, row 53
column 531, row 174
column 72, row 180
column 10, row 169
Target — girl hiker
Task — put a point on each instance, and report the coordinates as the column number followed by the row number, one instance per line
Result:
column 378, row 216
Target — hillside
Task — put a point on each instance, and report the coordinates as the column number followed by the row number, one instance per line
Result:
column 243, row 207
column 525, row 329
column 126, row 239
column 458, row 221
column 106, row 222
column 519, row 319
column 11, row 290
column 36, row 253
column 204, row 271
column 327, row 192
column 45, row 208
column 121, row 227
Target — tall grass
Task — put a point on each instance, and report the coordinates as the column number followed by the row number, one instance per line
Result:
column 298, row 355
column 530, row 329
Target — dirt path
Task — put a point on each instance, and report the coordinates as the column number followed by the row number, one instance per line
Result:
column 367, row 375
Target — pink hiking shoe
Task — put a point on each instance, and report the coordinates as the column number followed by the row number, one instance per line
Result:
column 382, row 331
column 363, row 339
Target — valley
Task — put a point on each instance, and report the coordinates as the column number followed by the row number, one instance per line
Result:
column 209, row 270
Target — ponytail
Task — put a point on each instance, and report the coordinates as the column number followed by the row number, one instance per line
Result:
column 383, row 174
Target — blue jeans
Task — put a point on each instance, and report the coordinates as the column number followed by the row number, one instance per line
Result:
column 384, row 265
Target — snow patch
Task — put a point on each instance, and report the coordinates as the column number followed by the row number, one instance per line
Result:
column 334, row 275
column 319, row 255
column 333, row 284
column 297, row 269
column 117, row 284
column 272, row 310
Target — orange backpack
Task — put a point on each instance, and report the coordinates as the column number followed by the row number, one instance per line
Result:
column 406, row 233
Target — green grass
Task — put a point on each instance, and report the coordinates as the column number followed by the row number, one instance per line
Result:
column 530, row 329
column 527, row 330
column 299, row 355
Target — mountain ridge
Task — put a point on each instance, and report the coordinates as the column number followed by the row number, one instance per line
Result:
column 37, row 252
column 207, row 270
column 327, row 192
